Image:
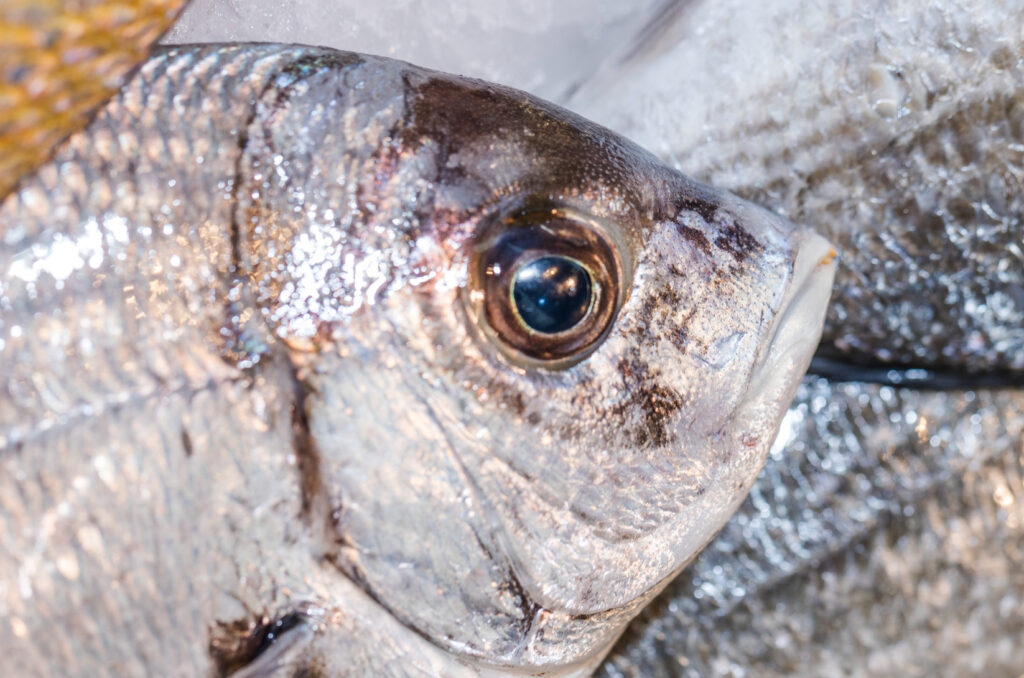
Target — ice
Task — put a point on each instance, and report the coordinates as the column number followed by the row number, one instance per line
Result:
column 547, row 48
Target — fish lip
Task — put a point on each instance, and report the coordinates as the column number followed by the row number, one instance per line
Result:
column 798, row 324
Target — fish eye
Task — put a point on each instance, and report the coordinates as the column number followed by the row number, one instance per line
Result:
column 546, row 287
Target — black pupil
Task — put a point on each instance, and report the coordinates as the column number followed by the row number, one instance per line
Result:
column 552, row 294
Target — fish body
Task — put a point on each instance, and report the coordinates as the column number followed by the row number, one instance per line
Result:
column 274, row 400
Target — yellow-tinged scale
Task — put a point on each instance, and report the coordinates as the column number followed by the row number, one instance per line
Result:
column 59, row 61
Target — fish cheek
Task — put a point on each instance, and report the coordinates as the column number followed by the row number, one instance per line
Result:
column 689, row 311
column 407, row 524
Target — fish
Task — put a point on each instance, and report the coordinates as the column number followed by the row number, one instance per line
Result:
column 883, row 536
column 318, row 363
column 59, row 62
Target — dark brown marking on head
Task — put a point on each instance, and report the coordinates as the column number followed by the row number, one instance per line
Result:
column 659, row 403
column 669, row 298
column 676, row 269
column 738, row 242
column 705, row 208
column 313, row 668
column 645, row 314
column 659, row 303
column 470, row 122
column 513, row 401
column 656, row 402
column 696, row 238
column 680, row 332
column 474, row 109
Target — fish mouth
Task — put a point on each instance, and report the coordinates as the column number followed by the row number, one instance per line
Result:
column 797, row 328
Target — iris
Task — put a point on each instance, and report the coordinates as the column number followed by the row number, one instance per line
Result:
column 552, row 294
column 546, row 285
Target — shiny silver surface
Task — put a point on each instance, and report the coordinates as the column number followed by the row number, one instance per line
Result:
column 249, row 423
column 883, row 537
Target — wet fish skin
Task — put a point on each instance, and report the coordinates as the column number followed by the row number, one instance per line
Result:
column 113, row 377
column 243, row 378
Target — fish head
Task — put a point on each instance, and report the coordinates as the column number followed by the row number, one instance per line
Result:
column 540, row 368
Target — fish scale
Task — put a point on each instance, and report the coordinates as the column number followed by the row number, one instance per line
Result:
column 122, row 513
column 131, row 246
column 895, row 128
column 111, row 360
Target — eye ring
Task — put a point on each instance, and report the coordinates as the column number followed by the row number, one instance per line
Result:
column 570, row 264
